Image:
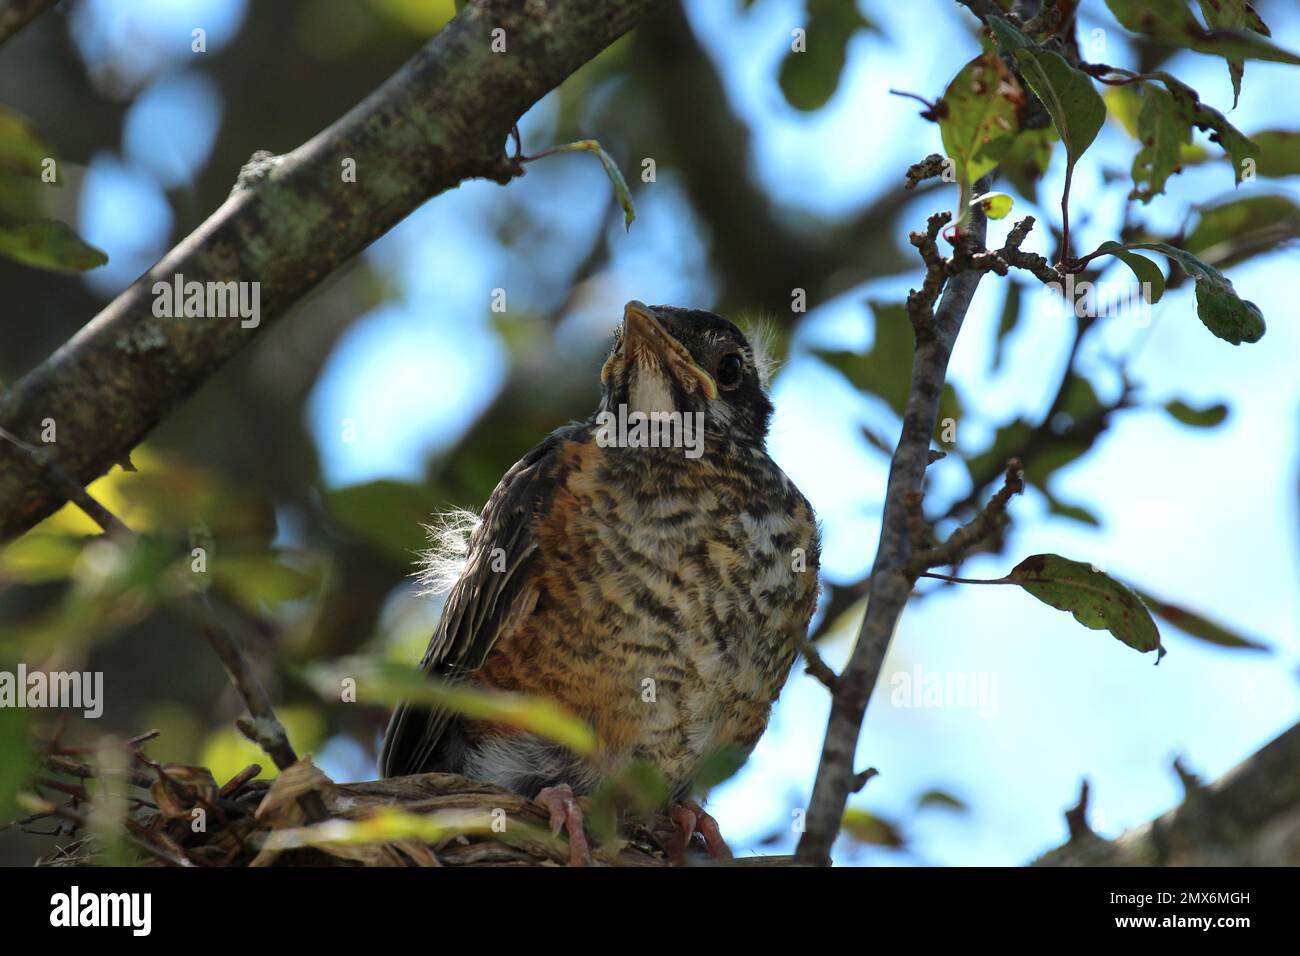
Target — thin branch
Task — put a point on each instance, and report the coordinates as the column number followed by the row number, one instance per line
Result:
column 891, row 584
column 68, row 486
column 989, row 521
column 817, row 666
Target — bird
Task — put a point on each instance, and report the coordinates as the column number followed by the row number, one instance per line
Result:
column 650, row 569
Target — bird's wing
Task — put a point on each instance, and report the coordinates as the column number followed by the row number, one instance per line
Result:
column 494, row 592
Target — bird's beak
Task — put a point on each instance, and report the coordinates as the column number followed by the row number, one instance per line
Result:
column 647, row 343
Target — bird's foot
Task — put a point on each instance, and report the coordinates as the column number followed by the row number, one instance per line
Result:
column 566, row 814
column 690, row 818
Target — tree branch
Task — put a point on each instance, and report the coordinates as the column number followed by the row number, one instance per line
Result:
column 891, row 581
column 289, row 222
column 1249, row 817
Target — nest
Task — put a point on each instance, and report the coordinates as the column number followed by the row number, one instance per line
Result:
column 177, row 815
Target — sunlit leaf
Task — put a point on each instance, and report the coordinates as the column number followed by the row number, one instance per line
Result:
column 383, row 825
column 995, row 205
column 979, row 116
column 871, row 829
column 226, row 751
column 388, row 684
column 260, row 578
column 621, row 191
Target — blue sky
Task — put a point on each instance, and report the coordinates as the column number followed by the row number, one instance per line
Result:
column 1204, row 518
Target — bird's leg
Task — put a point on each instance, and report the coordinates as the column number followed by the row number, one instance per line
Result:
column 690, row 818
column 566, row 814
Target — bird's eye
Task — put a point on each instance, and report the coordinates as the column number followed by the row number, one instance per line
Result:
column 729, row 369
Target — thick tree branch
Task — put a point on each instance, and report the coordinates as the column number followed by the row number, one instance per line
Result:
column 1249, row 817
column 891, row 579
column 290, row 221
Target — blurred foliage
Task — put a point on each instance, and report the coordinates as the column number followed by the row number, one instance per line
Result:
column 24, row 236
column 810, row 73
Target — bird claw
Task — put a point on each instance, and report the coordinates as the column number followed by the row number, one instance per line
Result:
column 690, row 818
column 566, row 814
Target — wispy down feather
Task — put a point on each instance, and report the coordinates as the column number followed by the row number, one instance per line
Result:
column 441, row 564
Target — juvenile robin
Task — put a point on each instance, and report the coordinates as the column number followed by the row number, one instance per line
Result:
column 650, row 569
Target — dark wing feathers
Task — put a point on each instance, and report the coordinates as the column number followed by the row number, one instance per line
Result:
column 483, row 601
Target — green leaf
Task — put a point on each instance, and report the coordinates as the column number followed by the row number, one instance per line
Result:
column 1255, row 223
column 1207, row 417
column 1010, row 38
column 1279, row 152
column 942, row 800
column 1148, row 274
column 979, row 115
column 1236, row 15
column 258, row 578
column 873, row 830
column 388, row 514
column 1096, row 600
column 388, row 683
column 996, row 205
column 809, row 78
column 47, row 244
column 16, row 761
column 1224, row 313
column 21, row 150
column 1077, row 110
column 1074, row 512
column 1200, row 627
column 1164, row 126
column 719, row 766
column 1027, row 160
column 1165, row 130
column 1171, row 21
column 611, row 170
column 886, row 370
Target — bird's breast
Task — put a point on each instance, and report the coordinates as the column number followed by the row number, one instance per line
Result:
column 672, row 596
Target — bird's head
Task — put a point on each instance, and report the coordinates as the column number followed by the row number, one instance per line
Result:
column 667, row 359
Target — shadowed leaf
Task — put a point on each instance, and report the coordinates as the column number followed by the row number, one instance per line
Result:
column 47, row 244
column 1095, row 599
